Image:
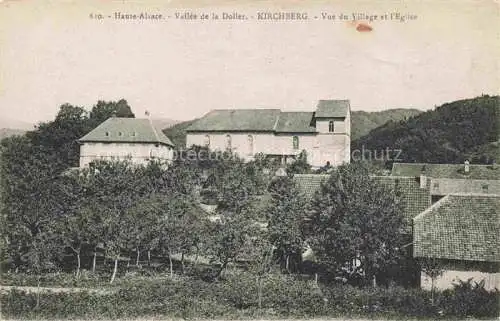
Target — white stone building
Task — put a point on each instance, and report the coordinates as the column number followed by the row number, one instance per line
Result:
column 324, row 134
column 125, row 138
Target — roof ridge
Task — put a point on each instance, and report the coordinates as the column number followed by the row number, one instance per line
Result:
column 437, row 205
column 276, row 121
column 154, row 129
column 474, row 194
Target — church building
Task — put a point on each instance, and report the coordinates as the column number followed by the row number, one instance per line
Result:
column 325, row 134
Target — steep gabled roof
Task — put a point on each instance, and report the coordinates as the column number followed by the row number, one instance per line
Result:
column 459, row 227
column 456, row 171
column 127, row 130
column 332, row 108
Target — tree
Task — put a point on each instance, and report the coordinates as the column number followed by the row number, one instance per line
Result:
column 114, row 187
column 285, row 218
column 76, row 222
column 355, row 224
column 106, row 109
column 59, row 137
column 30, row 187
column 237, row 219
column 434, row 269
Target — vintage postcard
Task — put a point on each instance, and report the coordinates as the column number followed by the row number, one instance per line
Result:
column 249, row 160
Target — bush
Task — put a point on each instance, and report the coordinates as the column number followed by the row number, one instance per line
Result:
column 469, row 298
column 284, row 296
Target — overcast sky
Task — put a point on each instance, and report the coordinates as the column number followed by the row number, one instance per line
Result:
column 52, row 53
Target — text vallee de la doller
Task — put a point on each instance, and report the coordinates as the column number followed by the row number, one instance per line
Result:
column 265, row 15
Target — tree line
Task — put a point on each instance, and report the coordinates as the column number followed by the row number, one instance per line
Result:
column 127, row 210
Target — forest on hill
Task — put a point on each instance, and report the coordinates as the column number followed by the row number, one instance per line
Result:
column 451, row 133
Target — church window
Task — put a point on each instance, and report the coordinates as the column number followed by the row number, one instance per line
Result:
column 295, row 141
column 331, row 126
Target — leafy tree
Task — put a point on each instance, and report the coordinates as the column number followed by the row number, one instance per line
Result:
column 30, row 183
column 113, row 187
column 285, row 217
column 106, row 109
column 59, row 137
column 237, row 219
column 75, row 225
column 355, row 224
column 299, row 165
column 434, row 269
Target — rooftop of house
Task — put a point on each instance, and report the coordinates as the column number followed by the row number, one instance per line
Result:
column 455, row 171
column 332, row 108
column 415, row 199
column 445, row 186
column 459, row 227
column 127, row 130
column 269, row 120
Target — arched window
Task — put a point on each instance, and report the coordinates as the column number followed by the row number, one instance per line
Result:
column 295, row 142
column 250, row 144
column 228, row 142
column 206, row 141
column 331, row 126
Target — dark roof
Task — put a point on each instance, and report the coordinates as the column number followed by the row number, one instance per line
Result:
column 456, row 171
column 295, row 122
column 268, row 120
column 127, row 130
column 237, row 120
column 332, row 108
column 415, row 199
column 445, row 186
column 459, row 227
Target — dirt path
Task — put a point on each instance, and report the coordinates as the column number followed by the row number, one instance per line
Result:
column 34, row 289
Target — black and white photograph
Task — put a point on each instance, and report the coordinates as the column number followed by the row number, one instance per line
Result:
column 249, row 160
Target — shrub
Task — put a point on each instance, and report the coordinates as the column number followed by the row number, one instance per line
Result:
column 284, row 296
column 468, row 298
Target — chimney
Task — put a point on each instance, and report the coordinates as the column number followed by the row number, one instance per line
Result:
column 423, row 178
column 466, row 167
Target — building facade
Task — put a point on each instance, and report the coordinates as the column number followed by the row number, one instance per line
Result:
column 125, row 138
column 323, row 134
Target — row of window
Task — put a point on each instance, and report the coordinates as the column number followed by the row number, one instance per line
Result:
column 250, row 142
column 133, row 134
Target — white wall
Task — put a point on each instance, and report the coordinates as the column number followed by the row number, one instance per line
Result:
column 339, row 126
column 139, row 152
column 492, row 280
column 320, row 148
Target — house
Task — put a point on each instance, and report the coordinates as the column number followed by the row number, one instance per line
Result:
column 461, row 228
column 453, row 215
column 444, row 179
column 414, row 198
column 460, row 232
column 324, row 134
column 125, row 138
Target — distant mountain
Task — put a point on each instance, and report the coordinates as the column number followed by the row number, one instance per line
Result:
column 15, row 124
column 7, row 132
column 363, row 122
column 163, row 123
column 177, row 133
column 453, row 132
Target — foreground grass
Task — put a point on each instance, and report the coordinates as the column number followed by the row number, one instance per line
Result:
column 235, row 298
